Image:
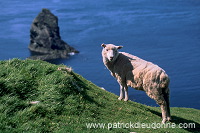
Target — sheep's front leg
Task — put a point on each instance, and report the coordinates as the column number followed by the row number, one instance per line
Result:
column 123, row 90
column 126, row 93
column 121, row 93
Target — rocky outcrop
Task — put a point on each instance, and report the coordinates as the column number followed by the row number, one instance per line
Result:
column 45, row 40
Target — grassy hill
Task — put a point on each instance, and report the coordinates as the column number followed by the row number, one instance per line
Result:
column 37, row 97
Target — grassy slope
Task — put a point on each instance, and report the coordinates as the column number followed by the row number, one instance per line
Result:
column 68, row 102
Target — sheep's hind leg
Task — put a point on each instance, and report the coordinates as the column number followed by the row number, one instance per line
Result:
column 163, row 105
column 121, row 93
column 164, row 112
column 166, row 96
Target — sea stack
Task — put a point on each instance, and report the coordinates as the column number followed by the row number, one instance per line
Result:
column 45, row 40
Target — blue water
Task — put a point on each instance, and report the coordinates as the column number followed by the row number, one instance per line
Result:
column 166, row 32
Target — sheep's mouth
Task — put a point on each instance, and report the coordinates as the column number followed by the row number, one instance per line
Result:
column 111, row 58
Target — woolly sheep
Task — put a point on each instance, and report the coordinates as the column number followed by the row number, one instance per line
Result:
column 131, row 71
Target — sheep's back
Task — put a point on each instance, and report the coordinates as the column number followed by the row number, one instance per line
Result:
column 144, row 74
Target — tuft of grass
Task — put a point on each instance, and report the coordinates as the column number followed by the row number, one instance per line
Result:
column 36, row 96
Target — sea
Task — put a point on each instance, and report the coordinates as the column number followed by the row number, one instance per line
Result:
column 165, row 32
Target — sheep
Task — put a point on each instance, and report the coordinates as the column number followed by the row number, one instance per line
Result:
column 132, row 71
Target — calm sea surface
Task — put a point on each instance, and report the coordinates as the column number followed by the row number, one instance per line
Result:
column 165, row 32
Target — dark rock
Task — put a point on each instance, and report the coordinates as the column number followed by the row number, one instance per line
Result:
column 45, row 38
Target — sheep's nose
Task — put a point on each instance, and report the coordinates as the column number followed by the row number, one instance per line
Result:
column 111, row 58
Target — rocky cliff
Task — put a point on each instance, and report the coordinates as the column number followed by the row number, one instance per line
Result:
column 45, row 39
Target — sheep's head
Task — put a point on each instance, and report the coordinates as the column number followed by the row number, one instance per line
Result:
column 110, row 51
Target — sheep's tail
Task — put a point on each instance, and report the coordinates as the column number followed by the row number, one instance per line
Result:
column 167, row 100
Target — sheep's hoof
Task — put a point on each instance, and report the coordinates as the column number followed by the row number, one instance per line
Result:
column 164, row 121
column 169, row 118
column 120, row 98
column 126, row 99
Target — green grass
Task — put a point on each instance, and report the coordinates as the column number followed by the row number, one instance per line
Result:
column 67, row 102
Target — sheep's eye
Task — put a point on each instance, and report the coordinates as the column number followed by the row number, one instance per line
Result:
column 106, row 49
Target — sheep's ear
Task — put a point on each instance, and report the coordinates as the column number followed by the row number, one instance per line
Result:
column 103, row 45
column 119, row 47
